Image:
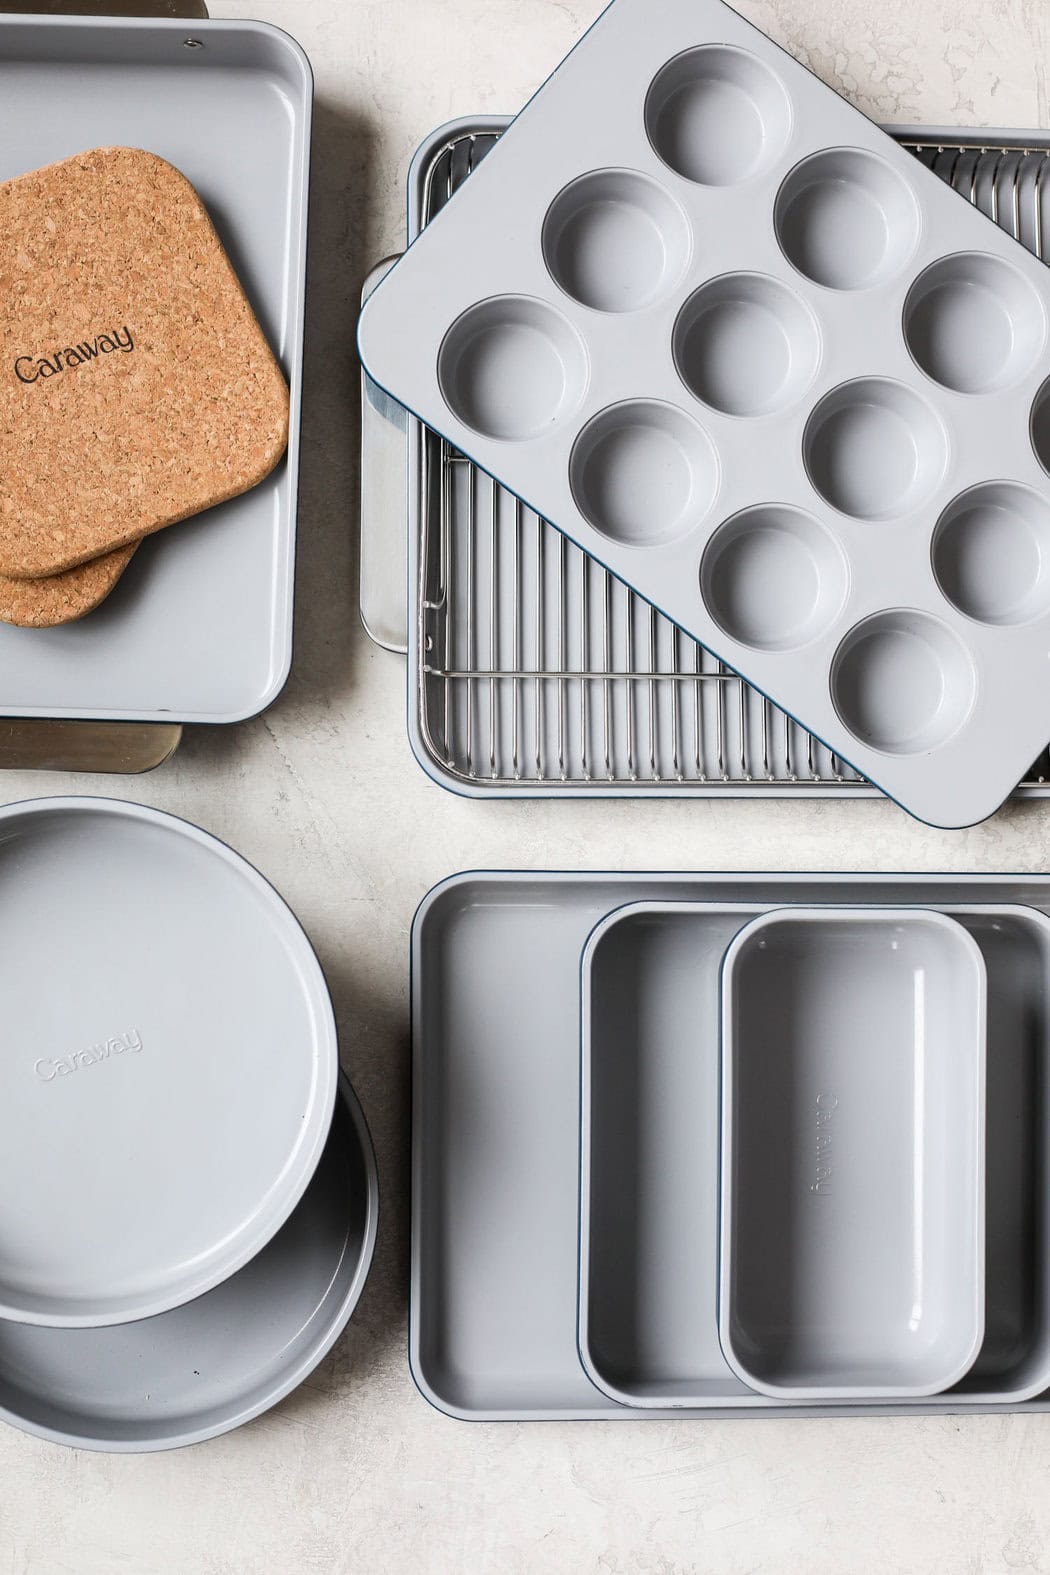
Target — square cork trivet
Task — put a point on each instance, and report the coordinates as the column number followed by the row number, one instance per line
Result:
column 136, row 387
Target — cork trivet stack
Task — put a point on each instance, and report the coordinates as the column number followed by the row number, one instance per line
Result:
column 136, row 387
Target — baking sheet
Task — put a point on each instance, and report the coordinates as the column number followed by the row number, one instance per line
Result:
column 200, row 627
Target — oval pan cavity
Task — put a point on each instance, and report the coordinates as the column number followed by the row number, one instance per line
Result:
column 643, row 473
column 845, row 219
column 875, row 449
column 973, row 323
column 717, row 115
column 774, row 578
column 616, row 241
column 511, row 367
column 902, row 682
column 746, row 345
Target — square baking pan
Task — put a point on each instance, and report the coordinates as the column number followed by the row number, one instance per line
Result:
column 496, row 1148
column 650, row 1167
column 200, row 627
column 530, row 670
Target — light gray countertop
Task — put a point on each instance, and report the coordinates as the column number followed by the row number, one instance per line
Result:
column 355, row 1472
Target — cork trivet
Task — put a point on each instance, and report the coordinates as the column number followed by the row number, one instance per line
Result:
column 62, row 598
column 136, row 387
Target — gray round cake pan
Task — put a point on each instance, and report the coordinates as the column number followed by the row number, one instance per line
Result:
column 205, row 1368
column 169, row 1065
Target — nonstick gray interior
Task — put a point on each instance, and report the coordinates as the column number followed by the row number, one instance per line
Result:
column 496, row 1143
column 214, row 1363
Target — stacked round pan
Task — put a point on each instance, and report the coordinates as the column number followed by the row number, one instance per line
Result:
column 866, row 1153
column 189, row 1198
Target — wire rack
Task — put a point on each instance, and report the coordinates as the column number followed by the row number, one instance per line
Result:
column 537, row 668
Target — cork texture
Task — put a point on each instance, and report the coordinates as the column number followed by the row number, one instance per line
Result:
column 62, row 598
column 136, row 386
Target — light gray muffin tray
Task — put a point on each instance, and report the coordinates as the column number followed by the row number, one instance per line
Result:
column 795, row 415
column 221, row 1360
column 496, row 990
column 200, row 627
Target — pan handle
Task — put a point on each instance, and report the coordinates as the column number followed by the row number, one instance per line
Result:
column 384, row 506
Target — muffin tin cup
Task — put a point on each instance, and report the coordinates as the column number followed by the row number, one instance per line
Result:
column 855, row 343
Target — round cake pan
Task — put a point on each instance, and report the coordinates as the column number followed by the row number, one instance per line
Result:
column 215, row 1363
column 169, row 1067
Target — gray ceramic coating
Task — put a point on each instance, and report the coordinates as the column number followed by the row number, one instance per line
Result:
column 200, row 627
column 496, row 1158
column 650, row 1085
column 852, row 1199
column 170, row 1061
column 745, row 350
column 212, row 1365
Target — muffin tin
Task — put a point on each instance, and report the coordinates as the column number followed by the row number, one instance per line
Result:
column 803, row 414
column 523, row 1308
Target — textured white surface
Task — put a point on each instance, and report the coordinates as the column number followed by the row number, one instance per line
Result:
column 356, row 1473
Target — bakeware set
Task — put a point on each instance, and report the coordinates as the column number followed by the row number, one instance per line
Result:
column 184, row 1230
column 842, row 525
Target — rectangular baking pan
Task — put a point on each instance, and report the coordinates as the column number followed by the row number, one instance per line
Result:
column 852, row 1200
column 650, row 1171
column 200, row 627
column 496, row 1139
column 530, row 670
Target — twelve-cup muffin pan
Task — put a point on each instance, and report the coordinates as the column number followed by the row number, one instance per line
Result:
column 722, row 331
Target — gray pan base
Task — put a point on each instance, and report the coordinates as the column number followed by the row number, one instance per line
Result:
column 212, row 1365
column 496, row 1151
column 200, row 627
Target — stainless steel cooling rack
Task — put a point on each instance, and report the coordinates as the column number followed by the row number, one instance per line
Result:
column 536, row 669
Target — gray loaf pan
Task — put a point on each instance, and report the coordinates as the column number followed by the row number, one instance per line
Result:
column 200, row 627
column 852, row 1153
column 212, row 1365
column 803, row 413
column 496, row 1232
column 172, row 1061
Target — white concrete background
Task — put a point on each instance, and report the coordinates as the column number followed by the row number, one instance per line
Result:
column 355, row 1473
